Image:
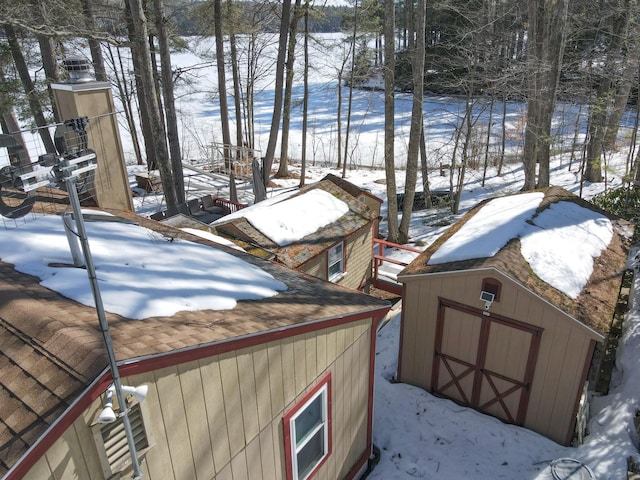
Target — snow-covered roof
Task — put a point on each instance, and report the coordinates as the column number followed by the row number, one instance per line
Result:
column 295, row 217
column 297, row 227
column 141, row 274
column 560, row 243
column 569, row 245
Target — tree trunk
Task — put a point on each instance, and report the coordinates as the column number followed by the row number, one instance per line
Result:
column 631, row 54
column 29, row 88
column 126, row 100
column 147, row 91
column 237, row 92
column 545, row 47
column 621, row 100
column 339, row 120
column 222, row 83
column 48, row 56
column 389, row 120
column 605, row 95
column 465, row 154
column 488, row 141
column 305, row 96
column 351, row 81
column 416, row 122
column 277, row 102
column 166, row 73
column 283, row 168
column 94, row 45
column 426, row 191
column 137, row 57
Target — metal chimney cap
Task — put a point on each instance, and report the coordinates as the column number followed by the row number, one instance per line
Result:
column 78, row 69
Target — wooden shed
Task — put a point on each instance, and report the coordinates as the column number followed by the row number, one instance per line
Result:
column 226, row 388
column 339, row 250
column 497, row 332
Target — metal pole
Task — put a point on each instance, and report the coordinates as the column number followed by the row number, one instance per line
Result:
column 104, row 326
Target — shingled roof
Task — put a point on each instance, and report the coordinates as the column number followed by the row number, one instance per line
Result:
column 242, row 232
column 51, row 348
column 595, row 304
column 351, row 188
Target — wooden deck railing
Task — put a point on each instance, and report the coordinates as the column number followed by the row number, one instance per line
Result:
column 228, row 205
column 379, row 258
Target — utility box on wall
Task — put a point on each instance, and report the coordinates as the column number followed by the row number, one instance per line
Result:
column 92, row 99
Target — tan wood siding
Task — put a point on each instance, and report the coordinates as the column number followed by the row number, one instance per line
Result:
column 221, row 417
column 358, row 258
column 317, row 266
column 358, row 248
column 564, row 342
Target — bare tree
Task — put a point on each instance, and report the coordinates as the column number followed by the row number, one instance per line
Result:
column 48, row 55
column 125, row 93
column 166, row 73
column 29, row 87
column 283, row 168
column 305, row 95
column 415, row 132
column 389, row 122
column 545, row 48
column 97, row 58
column 222, row 82
column 235, row 71
column 277, row 102
column 147, row 91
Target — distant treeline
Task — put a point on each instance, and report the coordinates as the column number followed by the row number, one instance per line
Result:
column 188, row 19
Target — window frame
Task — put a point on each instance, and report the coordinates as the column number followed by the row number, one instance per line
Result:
column 291, row 450
column 341, row 261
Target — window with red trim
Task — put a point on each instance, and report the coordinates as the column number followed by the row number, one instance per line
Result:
column 307, row 432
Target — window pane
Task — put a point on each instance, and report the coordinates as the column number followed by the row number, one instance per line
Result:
column 335, row 269
column 311, row 454
column 336, row 260
column 309, row 419
column 335, row 254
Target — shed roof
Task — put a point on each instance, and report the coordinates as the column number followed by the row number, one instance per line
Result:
column 51, row 347
column 349, row 187
column 596, row 302
column 238, row 228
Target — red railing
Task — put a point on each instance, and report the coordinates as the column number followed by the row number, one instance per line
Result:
column 379, row 258
column 228, row 205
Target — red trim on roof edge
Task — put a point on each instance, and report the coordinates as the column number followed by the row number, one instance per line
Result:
column 135, row 367
column 171, row 359
column 55, row 431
